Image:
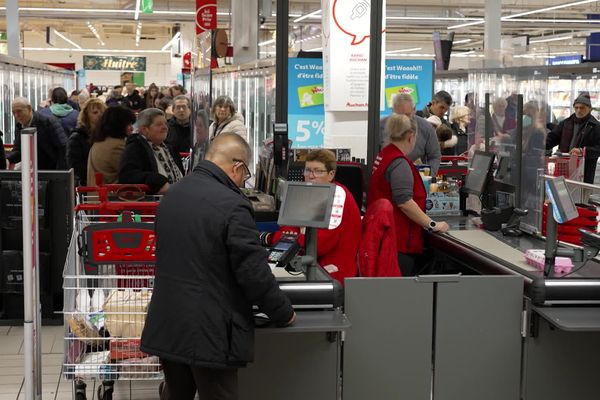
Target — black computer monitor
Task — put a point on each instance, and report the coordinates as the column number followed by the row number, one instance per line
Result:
column 563, row 206
column 503, row 169
column 479, row 171
column 306, row 204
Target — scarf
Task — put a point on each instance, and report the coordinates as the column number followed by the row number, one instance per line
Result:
column 569, row 129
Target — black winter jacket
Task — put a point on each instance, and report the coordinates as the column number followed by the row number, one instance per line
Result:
column 138, row 164
column 179, row 136
column 2, row 153
column 589, row 139
column 51, row 143
column 78, row 150
column 211, row 269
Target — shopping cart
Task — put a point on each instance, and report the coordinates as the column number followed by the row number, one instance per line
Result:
column 569, row 166
column 108, row 281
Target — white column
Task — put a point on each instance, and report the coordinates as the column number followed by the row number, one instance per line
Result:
column 493, row 33
column 244, row 30
column 12, row 28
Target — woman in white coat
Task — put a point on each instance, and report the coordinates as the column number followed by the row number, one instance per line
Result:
column 226, row 119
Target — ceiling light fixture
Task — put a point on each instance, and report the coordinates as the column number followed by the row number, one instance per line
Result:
column 403, row 50
column 172, row 41
column 553, row 39
column 267, row 42
column 557, row 7
column 98, row 51
column 137, row 9
column 66, row 39
column 462, row 41
column 541, row 10
column 138, row 33
column 435, row 18
column 95, row 32
column 314, row 14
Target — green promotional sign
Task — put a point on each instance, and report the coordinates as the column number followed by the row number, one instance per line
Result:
column 311, row 95
column 147, row 6
column 114, row 63
column 410, row 88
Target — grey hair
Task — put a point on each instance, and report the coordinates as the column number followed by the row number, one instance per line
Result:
column 402, row 98
column 183, row 97
column 83, row 96
column 500, row 101
column 21, row 101
column 146, row 117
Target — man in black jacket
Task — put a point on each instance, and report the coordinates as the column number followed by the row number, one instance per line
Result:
column 211, row 269
column 51, row 138
column 578, row 132
column 180, row 136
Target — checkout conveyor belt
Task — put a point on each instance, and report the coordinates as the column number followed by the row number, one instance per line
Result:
column 493, row 254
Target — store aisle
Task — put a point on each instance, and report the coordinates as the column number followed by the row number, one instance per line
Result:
column 54, row 386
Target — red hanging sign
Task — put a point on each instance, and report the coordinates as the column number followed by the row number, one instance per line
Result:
column 206, row 15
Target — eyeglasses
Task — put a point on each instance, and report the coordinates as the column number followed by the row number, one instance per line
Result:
column 248, row 173
column 315, row 172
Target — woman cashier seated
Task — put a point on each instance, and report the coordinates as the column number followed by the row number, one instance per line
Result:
column 395, row 178
column 337, row 246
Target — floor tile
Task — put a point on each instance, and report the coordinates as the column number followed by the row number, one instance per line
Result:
column 10, row 344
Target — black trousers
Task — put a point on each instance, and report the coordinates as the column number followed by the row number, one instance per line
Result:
column 183, row 381
column 409, row 265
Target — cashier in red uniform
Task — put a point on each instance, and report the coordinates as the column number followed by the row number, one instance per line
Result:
column 394, row 177
column 337, row 246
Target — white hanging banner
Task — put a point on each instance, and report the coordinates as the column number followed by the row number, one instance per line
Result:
column 346, row 31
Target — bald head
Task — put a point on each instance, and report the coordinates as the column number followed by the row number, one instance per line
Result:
column 231, row 153
column 227, row 147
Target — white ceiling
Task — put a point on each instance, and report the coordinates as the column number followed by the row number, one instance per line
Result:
column 402, row 33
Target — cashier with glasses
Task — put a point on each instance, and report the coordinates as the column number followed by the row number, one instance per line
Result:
column 147, row 159
column 337, row 246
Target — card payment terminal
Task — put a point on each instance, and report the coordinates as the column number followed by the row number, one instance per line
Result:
column 283, row 251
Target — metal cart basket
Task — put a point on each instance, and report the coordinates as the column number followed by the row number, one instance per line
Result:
column 108, row 280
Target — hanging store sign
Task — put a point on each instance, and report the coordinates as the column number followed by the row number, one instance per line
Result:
column 206, row 15
column 305, row 102
column 346, row 32
column 148, row 6
column 565, row 60
column 114, row 63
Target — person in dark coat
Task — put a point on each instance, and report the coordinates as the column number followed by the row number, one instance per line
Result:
column 61, row 109
column 115, row 98
column 208, row 277
column 180, row 136
column 133, row 100
column 79, row 144
column 579, row 132
column 51, row 137
column 147, row 158
column 2, row 153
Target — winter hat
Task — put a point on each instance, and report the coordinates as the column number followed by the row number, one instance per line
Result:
column 583, row 98
column 435, row 120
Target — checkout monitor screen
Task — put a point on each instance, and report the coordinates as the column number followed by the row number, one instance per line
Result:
column 563, row 206
column 479, row 169
column 306, row 204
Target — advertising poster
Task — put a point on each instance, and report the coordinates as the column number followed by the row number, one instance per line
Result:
column 305, row 102
column 414, row 77
column 206, row 15
column 346, row 28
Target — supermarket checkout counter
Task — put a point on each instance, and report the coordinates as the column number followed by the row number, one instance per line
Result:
column 312, row 346
column 560, row 314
